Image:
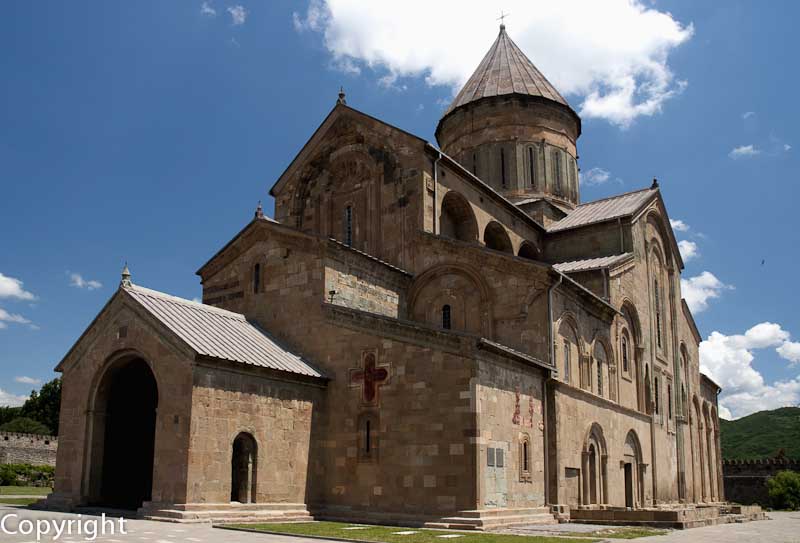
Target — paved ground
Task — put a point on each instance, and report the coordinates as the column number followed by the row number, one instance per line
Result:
column 784, row 528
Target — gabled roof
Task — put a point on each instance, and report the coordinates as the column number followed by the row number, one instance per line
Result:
column 308, row 148
column 218, row 333
column 505, row 70
column 622, row 205
column 589, row 264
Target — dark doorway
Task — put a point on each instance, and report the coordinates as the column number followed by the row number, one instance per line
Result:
column 629, row 485
column 244, row 464
column 130, row 427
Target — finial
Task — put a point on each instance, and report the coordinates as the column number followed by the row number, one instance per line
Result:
column 259, row 211
column 341, row 99
column 655, row 184
column 502, row 20
column 126, row 277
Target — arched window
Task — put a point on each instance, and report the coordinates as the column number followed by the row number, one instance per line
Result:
column 503, row 168
column 256, row 278
column 658, row 311
column 557, row 180
column 525, row 458
column 532, row 167
column 348, row 226
column 446, row 323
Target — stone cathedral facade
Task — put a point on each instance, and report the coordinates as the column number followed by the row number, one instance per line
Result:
column 425, row 334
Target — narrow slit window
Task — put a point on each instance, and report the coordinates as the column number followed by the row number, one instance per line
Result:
column 525, row 456
column 367, row 436
column 446, row 322
column 503, row 168
column 348, row 225
column 625, row 354
column 669, row 401
column 256, row 278
column 658, row 312
column 475, row 164
column 532, row 166
column 566, row 361
column 599, row 377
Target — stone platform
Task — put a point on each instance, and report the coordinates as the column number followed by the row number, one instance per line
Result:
column 478, row 519
column 676, row 518
column 226, row 512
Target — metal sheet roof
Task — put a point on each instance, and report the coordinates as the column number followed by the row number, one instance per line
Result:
column 505, row 70
column 590, row 263
column 603, row 210
column 219, row 333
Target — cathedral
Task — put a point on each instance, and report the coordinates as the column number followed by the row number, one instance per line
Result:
column 435, row 335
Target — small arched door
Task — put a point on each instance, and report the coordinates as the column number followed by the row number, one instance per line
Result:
column 244, row 464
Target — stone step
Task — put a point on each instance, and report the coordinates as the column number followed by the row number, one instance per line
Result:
column 494, row 513
column 485, row 523
column 238, row 506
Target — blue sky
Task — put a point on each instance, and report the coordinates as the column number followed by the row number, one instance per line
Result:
column 148, row 131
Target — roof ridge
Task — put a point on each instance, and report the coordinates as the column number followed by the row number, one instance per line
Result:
column 621, row 195
column 177, row 299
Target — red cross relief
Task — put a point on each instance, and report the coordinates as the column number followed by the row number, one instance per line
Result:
column 370, row 378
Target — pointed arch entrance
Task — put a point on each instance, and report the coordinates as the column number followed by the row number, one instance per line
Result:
column 595, row 467
column 244, row 468
column 123, row 421
column 632, row 471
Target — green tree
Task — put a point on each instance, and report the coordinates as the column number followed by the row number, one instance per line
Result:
column 784, row 490
column 44, row 406
column 25, row 425
column 8, row 413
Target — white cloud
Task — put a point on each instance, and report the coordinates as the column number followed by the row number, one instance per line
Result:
column 25, row 380
column 790, row 350
column 594, row 176
column 12, row 288
column 238, row 14
column 688, row 250
column 6, row 317
column 11, row 400
column 76, row 280
column 207, row 10
column 678, row 225
column 728, row 360
column 787, row 147
column 744, row 151
column 748, row 114
column 698, row 290
column 610, row 58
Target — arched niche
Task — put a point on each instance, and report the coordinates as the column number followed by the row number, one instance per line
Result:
column 457, row 220
column 495, row 237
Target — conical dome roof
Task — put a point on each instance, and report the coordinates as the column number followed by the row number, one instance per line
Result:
column 505, row 70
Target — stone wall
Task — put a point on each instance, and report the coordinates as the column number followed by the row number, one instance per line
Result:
column 28, row 449
column 746, row 480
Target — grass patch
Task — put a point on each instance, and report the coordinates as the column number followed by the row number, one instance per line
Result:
column 387, row 534
column 25, row 490
column 17, row 501
column 621, row 533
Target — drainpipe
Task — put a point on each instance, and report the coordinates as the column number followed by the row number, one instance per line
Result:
column 545, row 413
column 435, row 187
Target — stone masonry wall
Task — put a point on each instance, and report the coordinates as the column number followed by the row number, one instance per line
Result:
column 28, row 449
column 746, row 480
